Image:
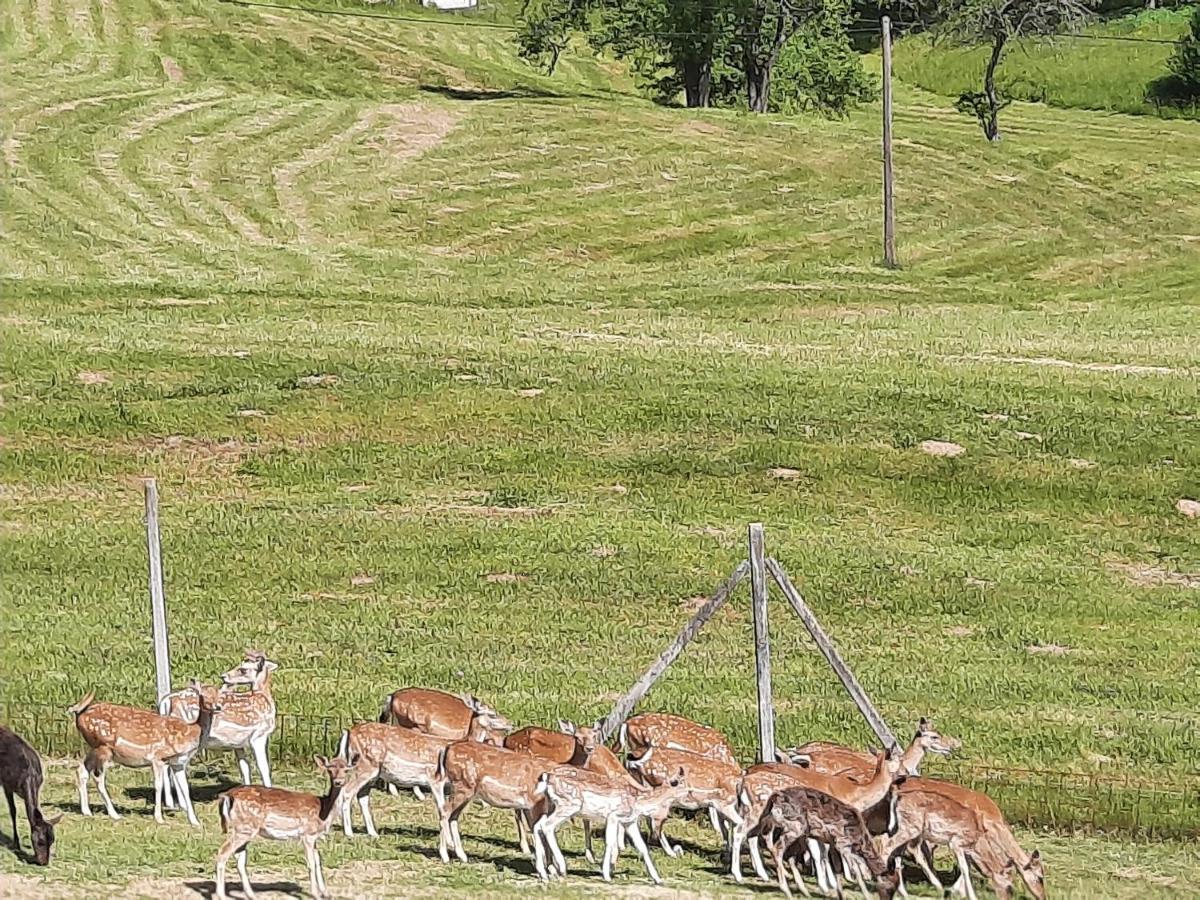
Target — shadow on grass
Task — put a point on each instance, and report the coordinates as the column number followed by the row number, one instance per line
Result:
column 521, row 93
column 208, row 889
column 19, row 852
column 201, row 793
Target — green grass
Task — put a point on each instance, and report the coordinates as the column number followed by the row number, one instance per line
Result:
column 1077, row 73
column 697, row 297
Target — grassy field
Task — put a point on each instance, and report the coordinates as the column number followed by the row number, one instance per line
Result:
column 459, row 375
column 1079, row 73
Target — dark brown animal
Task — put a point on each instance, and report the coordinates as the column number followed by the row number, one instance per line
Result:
column 21, row 775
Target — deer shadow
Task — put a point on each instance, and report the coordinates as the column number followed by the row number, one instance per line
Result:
column 208, row 889
column 200, row 793
column 19, row 852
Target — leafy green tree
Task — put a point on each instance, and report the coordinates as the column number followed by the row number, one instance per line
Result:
column 1001, row 24
column 1185, row 62
column 819, row 70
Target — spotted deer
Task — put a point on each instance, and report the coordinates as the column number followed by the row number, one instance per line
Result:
column 250, row 811
column 806, row 816
column 569, row 791
column 394, row 755
column 248, row 718
column 138, row 738
column 641, row 732
column 836, row 759
column 502, row 778
column 764, row 779
column 571, row 745
column 444, row 715
column 713, row 784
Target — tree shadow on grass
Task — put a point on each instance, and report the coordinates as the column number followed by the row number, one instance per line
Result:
column 517, row 93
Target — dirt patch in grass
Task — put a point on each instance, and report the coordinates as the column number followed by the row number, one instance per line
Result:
column 784, row 473
column 505, row 578
column 1048, row 650
column 1144, row 575
column 942, row 448
column 1125, row 368
column 93, row 378
column 172, row 69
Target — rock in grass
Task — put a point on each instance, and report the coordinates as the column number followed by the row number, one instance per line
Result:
column 942, row 448
column 1190, row 508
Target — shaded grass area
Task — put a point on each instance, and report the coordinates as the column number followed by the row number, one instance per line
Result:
column 1080, row 73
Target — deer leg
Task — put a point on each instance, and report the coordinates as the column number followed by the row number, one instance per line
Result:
column 797, row 877
column 185, row 795
column 158, row 770
column 98, row 762
column 364, row 804
column 857, row 866
column 756, row 860
column 247, row 891
column 611, row 827
column 85, row 808
column 347, row 826
column 259, row 748
column 539, row 849
column 243, row 764
column 12, row 811
column 635, row 835
column 657, row 833
column 522, row 835
column 715, row 821
column 314, row 885
column 587, row 843
column 320, row 871
column 226, row 851
column 918, row 854
column 964, row 868
column 416, row 789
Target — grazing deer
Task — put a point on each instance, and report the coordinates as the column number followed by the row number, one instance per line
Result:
column 713, row 785
column 569, row 791
column 394, row 755
column 137, row 738
column 835, row 759
column 571, row 745
column 809, row 815
column 250, row 811
column 444, row 715
column 247, row 717
column 501, row 778
column 999, row 836
column 929, row 819
column 21, row 775
column 764, row 779
column 639, row 733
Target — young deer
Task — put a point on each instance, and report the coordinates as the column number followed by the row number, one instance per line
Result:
column 929, row 819
column 835, row 759
column 394, row 755
column 804, row 814
column 999, row 836
column 571, row 745
column 570, row 791
column 501, row 778
column 247, row 717
column 713, row 785
column 444, row 715
column 21, row 775
column 137, row 738
column 250, row 811
column 639, row 733
column 764, row 779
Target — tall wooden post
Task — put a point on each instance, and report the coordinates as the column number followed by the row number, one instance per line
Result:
column 762, row 646
column 158, row 607
column 889, row 193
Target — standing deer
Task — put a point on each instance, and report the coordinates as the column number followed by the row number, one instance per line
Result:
column 138, row 738
column 713, row 784
column 569, row 791
column 809, row 815
column 394, row 755
column 247, row 717
column 250, row 811
column 21, row 775
column 571, row 745
column 836, row 759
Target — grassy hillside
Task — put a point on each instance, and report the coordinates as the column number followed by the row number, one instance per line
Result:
column 455, row 374
column 1078, row 73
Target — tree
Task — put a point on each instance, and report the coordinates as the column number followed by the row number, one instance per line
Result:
column 764, row 27
column 999, row 24
column 819, row 70
column 1185, row 62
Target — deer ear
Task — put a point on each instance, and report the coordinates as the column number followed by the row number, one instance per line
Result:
column 566, row 726
column 321, row 761
column 53, row 820
column 1035, row 856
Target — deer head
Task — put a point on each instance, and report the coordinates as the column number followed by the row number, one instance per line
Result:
column 932, row 742
column 42, row 833
column 253, row 670
column 585, row 735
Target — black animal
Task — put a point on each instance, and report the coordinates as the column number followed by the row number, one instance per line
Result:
column 21, row 773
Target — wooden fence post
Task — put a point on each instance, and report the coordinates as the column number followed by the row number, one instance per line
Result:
column 762, row 647
column 889, row 185
column 620, row 712
column 158, row 609
column 853, row 688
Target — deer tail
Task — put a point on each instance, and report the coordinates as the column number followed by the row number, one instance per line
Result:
column 225, row 808
column 385, row 714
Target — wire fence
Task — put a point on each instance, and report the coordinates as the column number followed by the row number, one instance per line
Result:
column 1149, row 808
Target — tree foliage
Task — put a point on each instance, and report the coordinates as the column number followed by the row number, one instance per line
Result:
column 1185, row 63
column 820, row 71
column 1001, row 24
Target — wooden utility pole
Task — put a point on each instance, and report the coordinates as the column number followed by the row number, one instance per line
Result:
column 889, row 191
column 158, row 607
column 762, row 646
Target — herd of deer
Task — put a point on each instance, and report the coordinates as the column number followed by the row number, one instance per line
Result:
column 841, row 814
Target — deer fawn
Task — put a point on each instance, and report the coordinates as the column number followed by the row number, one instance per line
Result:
column 812, row 816
column 138, row 738
column 713, row 785
column 21, row 775
column 569, row 791
column 247, row 718
column 835, row 759
column 250, row 811
column 571, row 745
column 394, row 755
column 501, row 778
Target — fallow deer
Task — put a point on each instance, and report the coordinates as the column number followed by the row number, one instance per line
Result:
column 137, row 738
column 762, row 780
column 812, row 816
column 250, row 811
column 1028, row 866
column 397, row 756
column 444, row 715
column 641, row 732
column 713, row 785
column 570, row 791
column 571, row 745
column 502, row 778
column 21, row 775
column 836, row 759
column 248, row 718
